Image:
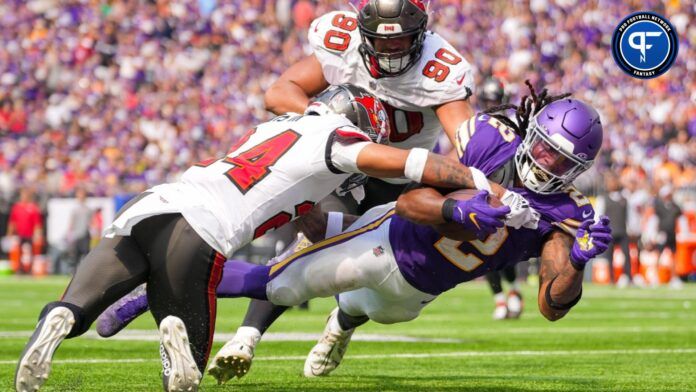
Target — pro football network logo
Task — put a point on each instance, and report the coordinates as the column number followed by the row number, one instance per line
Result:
column 644, row 45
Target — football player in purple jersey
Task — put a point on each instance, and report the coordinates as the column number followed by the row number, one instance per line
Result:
column 393, row 262
column 550, row 142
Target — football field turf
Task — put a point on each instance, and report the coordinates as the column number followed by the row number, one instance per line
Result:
column 629, row 340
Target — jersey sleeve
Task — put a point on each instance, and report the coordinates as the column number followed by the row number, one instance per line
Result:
column 485, row 143
column 332, row 37
column 343, row 147
column 562, row 211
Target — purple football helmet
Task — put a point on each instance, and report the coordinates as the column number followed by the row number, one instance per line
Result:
column 562, row 141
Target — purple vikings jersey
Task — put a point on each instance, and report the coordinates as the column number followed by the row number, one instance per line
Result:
column 434, row 264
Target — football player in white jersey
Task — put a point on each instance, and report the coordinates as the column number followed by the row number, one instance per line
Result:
column 385, row 48
column 177, row 236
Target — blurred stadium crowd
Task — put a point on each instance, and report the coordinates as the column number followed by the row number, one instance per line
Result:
column 113, row 96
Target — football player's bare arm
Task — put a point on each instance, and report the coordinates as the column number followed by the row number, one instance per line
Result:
column 293, row 89
column 381, row 161
column 556, row 271
column 313, row 225
column 452, row 115
column 421, row 205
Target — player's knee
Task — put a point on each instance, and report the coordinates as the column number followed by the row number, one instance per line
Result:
column 285, row 295
column 81, row 324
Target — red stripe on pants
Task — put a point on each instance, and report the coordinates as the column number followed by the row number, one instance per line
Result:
column 213, row 282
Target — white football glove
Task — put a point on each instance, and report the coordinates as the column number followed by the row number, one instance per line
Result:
column 319, row 108
column 521, row 213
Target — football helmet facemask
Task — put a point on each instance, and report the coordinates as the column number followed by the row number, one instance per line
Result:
column 392, row 33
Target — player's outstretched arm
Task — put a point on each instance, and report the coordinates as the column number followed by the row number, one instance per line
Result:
column 293, row 89
column 560, row 284
column 563, row 259
column 381, row 161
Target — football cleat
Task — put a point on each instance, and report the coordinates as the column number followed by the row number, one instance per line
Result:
column 327, row 354
column 179, row 370
column 122, row 312
column 500, row 312
column 234, row 358
column 35, row 362
column 515, row 305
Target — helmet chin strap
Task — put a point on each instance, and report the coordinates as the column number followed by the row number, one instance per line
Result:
column 374, row 68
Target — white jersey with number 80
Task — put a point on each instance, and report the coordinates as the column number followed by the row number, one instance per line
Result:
column 441, row 75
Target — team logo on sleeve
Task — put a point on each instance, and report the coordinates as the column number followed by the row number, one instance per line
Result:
column 644, row 45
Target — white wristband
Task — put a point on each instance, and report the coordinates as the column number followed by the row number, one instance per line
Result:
column 480, row 180
column 334, row 224
column 415, row 164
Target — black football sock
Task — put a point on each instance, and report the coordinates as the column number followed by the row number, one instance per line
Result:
column 346, row 321
column 261, row 314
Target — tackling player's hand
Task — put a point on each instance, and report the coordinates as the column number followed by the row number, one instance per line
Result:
column 591, row 240
column 477, row 216
column 319, row 108
column 521, row 213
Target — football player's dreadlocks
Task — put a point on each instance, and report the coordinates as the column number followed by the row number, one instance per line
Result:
column 530, row 105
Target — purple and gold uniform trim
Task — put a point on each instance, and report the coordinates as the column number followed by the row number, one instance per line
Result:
column 341, row 238
column 569, row 226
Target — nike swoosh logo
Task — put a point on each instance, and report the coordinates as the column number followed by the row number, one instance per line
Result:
column 459, row 82
column 427, row 301
column 472, row 216
column 585, row 216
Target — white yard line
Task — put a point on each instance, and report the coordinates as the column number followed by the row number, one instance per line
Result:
column 522, row 353
column 151, row 336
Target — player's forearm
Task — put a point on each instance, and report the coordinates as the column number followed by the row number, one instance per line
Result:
column 563, row 289
column 445, row 172
column 421, row 206
column 285, row 96
column 560, row 285
column 439, row 171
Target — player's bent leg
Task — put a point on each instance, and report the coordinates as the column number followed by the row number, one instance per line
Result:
column 494, row 281
column 112, row 269
column 359, row 257
column 514, row 302
column 240, row 279
column 184, row 274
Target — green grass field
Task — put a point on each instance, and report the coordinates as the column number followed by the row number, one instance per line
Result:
column 630, row 340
